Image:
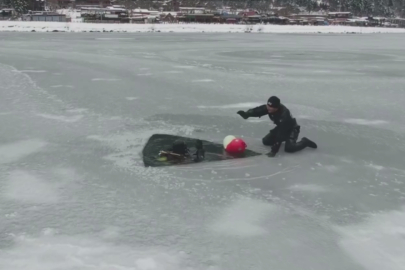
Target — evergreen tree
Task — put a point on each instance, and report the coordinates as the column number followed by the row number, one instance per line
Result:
column 20, row 6
column 5, row 3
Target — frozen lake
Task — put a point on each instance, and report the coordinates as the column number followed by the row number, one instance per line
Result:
column 77, row 109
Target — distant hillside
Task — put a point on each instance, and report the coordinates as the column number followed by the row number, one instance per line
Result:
column 357, row 7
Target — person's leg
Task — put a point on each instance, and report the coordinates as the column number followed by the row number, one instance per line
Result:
column 291, row 144
column 270, row 138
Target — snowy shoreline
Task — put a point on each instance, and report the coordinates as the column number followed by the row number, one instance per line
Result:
column 20, row 26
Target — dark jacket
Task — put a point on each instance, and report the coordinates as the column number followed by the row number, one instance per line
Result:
column 283, row 119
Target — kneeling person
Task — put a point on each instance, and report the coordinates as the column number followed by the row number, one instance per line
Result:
column 286, row 130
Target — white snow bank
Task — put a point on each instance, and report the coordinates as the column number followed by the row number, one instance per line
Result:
column 21, row 26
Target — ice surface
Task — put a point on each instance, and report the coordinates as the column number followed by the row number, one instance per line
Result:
column 32, row 71
column 18, row 150
column 378, row 242
column 26, row 188
column 74, row 193
column 174, row 72
column 203, row 80
column 232, row 106
column 104, row 79
column 61, row 117
column 62, row 86
column 308, row 187
column 49, row 251
column 131, row 98
column 184, row 67
column 365, row 122
column 78, row 110
column 243, row 218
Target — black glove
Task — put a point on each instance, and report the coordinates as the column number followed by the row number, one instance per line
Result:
column 243, row 114
column 274, row 149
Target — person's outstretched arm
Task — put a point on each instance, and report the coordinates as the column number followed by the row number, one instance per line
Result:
column 254, row 112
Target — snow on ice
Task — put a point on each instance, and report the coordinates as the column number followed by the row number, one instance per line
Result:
column 365, row 122
column 54, row 251
column 378, row 242
column 243, row 218
column 15, row 151
column 24, row 187
column 66, row 119
column 244, row 105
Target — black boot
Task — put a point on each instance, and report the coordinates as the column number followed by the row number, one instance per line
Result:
column 309, row 143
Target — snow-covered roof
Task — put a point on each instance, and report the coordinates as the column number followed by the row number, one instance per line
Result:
column 140, row 10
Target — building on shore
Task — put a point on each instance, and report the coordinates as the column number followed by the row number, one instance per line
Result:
column 104, row 15
column 195, row 14
column 44, row 16
column 396, row 22
column 7, row 14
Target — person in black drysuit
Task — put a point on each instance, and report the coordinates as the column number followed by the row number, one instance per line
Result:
column 286, row 128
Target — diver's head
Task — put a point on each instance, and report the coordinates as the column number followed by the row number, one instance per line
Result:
column 179, row 147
